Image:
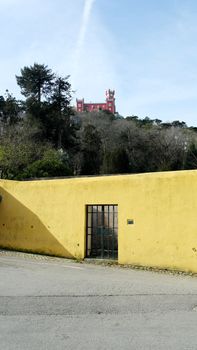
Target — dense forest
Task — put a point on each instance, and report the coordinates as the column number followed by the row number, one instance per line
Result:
column 43, row 136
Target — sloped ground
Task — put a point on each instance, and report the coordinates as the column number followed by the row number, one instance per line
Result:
column 49, row 303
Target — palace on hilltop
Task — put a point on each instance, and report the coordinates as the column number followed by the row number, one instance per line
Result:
column 108, row 105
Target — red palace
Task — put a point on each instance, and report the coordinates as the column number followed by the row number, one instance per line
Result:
column 108, row 105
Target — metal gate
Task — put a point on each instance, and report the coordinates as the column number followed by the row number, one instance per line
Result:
column 102, row 231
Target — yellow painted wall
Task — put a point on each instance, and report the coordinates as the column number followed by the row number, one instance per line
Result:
column 48, row 216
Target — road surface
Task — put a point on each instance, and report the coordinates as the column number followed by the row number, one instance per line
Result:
column 56, row 304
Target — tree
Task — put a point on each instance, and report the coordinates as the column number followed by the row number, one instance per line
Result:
column 179, row 124
column 35, row 81
column 48, row 102
column 91, row 147
column 191, row 157
column 24, row 155
column 52, row 164
column 10, row 109
column 18, row 148
column 59, row 112
column 146, row 122
column 170, row 149
column 115, row 162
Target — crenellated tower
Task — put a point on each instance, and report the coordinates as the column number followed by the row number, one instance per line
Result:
column 110, row 101
column 80, row 105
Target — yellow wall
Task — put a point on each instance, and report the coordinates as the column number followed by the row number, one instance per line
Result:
column 48, row 216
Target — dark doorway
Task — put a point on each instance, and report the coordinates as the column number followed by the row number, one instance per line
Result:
column 102, row 231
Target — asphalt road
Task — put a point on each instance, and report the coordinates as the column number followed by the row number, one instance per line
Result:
column 57, row 304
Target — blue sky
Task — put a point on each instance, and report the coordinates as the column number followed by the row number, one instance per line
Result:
column 144, row 49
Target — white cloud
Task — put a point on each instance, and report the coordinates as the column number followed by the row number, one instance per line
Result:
column 81, row 37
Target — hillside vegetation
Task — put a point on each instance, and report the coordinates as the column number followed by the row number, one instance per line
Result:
column 43, row 136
